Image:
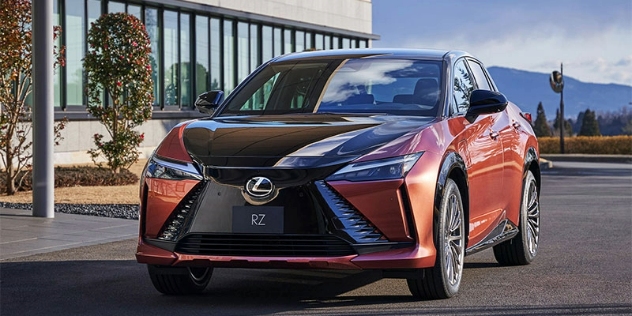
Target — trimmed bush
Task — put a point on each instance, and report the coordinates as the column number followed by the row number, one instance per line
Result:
column 81, row 176
column 596, row 145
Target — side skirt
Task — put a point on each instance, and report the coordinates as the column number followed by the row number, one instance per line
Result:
column 504, row 231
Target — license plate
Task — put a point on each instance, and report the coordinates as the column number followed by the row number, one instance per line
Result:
column 258, row 219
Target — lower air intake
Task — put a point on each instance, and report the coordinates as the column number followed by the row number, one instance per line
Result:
column 264, row 245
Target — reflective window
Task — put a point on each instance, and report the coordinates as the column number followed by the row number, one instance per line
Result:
column 186, row 97
column 277, row 42
column 216, row 57
column 327, row 42
column 75, row 47
column 225, row 50
column 287, row 40
column 254, row 47
column 335, row 42
column 116, row 7
column 266, row 43
column 309, row 43
column 171, row 48
column 318, row 41
column 346, row 43
column 243, row 49
column 94, row 12
column 229, row 59
column 479, row 75
column 463, row 87
column 134, row 10
column 201, row 55
column 57, row 76
column 300, row 41
column 151, row 23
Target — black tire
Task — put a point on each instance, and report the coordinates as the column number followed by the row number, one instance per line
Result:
column 523, row 248
column 179, row 280
column 443, row 280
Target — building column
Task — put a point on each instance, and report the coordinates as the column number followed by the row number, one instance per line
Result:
column 43, row 110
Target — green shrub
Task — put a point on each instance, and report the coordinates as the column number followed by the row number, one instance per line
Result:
column 81, row 176
column 596, row 145
column 118, row 62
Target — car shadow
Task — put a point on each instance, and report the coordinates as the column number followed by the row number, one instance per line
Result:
column 107, row 287
column 110, row 287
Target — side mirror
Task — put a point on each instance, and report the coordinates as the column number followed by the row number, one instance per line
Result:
column 207, row 102
column 486, row 102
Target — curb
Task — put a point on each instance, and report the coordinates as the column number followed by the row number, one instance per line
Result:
column 545, row 164
column 586, row 158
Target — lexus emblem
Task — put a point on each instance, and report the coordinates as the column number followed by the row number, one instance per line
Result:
column 260, row 187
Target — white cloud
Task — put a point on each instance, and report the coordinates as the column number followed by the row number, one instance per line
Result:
column 592, row 39
column 599, row 57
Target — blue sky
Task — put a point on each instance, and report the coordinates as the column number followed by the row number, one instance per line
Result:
column 592, row 38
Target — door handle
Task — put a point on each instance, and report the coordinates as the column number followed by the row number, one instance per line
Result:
column 493, row 134
column 516, row 125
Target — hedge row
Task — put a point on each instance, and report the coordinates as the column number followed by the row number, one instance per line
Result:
column 80, row 176
column 598, row 145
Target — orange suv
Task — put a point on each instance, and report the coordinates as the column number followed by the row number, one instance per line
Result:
column 403, row 161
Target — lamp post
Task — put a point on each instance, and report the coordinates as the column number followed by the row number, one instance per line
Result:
column 557, row 84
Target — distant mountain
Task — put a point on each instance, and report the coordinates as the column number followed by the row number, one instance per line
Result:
column 527, row 89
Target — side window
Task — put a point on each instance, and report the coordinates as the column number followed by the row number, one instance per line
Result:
column 479, row 75
column 463, row 87
column 260, row 98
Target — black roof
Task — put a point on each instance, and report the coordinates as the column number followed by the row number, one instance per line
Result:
column 431, row 54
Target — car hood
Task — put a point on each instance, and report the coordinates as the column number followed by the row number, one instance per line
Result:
column 293, row 141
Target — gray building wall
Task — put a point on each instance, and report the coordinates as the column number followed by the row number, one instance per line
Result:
column 353, row 15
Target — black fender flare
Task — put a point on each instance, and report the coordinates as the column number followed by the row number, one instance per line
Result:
column 451, row 161
column 531, row 157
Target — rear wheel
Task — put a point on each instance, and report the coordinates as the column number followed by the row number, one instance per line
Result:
column 443, row 280
column 179, row 280
column 523, row 248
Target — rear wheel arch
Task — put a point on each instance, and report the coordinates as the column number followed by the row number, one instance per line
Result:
column 532, row 163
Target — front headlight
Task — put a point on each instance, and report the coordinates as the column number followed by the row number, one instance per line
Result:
column 163, row 169
column 384, row 169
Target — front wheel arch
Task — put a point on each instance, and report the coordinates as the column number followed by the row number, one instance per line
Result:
column 452, row 167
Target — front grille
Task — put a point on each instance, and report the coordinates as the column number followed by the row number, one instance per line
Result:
column 264, row 245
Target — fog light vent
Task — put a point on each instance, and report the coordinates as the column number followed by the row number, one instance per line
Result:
column 173, row 227
column 355, row 224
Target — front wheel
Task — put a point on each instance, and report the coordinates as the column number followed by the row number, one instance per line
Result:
column 523, row 248
column 179, row 280
column 443, row 280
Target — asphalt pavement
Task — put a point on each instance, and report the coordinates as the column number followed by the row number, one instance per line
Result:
column 584, row 267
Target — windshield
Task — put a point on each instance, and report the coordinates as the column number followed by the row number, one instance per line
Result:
column 391, row 86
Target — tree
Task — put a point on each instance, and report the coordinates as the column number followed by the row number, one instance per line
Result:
column 15, row 88
column 612, row 123
column 541, row 126
column 568, row 126
column 590, row 126
column 118, row 62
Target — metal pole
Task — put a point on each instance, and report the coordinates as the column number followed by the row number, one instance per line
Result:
column 562, row 120
column 43, row 118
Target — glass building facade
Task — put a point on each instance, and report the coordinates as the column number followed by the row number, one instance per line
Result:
column 192, row 50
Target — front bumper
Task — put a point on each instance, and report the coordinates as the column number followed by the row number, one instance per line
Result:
column 336, row 225
column 405, row 258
